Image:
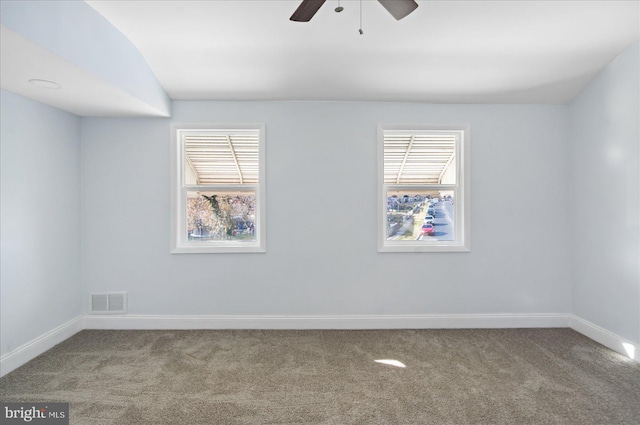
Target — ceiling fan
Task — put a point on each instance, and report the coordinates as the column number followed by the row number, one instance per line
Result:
column 397, row 8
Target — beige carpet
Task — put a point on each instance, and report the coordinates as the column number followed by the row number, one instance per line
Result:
column 515, row 376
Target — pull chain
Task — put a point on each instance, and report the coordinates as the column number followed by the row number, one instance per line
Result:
column 360, row 30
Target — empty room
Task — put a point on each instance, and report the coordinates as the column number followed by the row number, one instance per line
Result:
column 339, row 212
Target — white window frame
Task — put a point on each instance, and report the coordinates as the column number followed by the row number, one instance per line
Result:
column 179, row 242
column 462, row 204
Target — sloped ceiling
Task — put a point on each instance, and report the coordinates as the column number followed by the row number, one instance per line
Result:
column 445, row 52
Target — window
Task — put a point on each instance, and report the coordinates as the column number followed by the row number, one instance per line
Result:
column 217, row 188
column 424, row 188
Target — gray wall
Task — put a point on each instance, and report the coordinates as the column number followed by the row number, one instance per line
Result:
column 40, row 216
column 605, row 142
column 321, row 205
column 542, row 177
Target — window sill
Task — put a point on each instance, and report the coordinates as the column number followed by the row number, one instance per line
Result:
column 228, row 249
column 424, row 248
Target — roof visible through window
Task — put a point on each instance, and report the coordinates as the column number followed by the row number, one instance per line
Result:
column 223, row 157
column 417, row 158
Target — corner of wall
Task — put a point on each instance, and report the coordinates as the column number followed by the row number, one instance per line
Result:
column 39, row 345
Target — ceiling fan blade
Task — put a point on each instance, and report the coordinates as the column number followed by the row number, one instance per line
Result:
column 399, row 8
column 306, row 10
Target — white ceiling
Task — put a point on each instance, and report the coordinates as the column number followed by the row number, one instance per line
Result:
column 445, row 52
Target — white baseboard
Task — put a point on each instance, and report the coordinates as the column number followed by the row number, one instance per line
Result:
column 604, row 337
column 434, row 321
column 39, row 345
column 34, row 348
column 430, row 321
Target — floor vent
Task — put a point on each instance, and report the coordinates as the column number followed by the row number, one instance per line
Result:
column 109, row 303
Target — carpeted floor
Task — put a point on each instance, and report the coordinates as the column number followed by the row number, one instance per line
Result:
column 514, row 377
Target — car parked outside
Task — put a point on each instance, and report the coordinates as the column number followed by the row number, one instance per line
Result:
column 427, row 229
column 428, row 219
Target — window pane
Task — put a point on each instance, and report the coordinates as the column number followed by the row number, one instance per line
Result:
column 419, row 158
column 427, row 215
column 221, row 216
column 224, row 157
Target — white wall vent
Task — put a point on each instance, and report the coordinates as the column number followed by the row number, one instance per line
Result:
column 109, row 303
